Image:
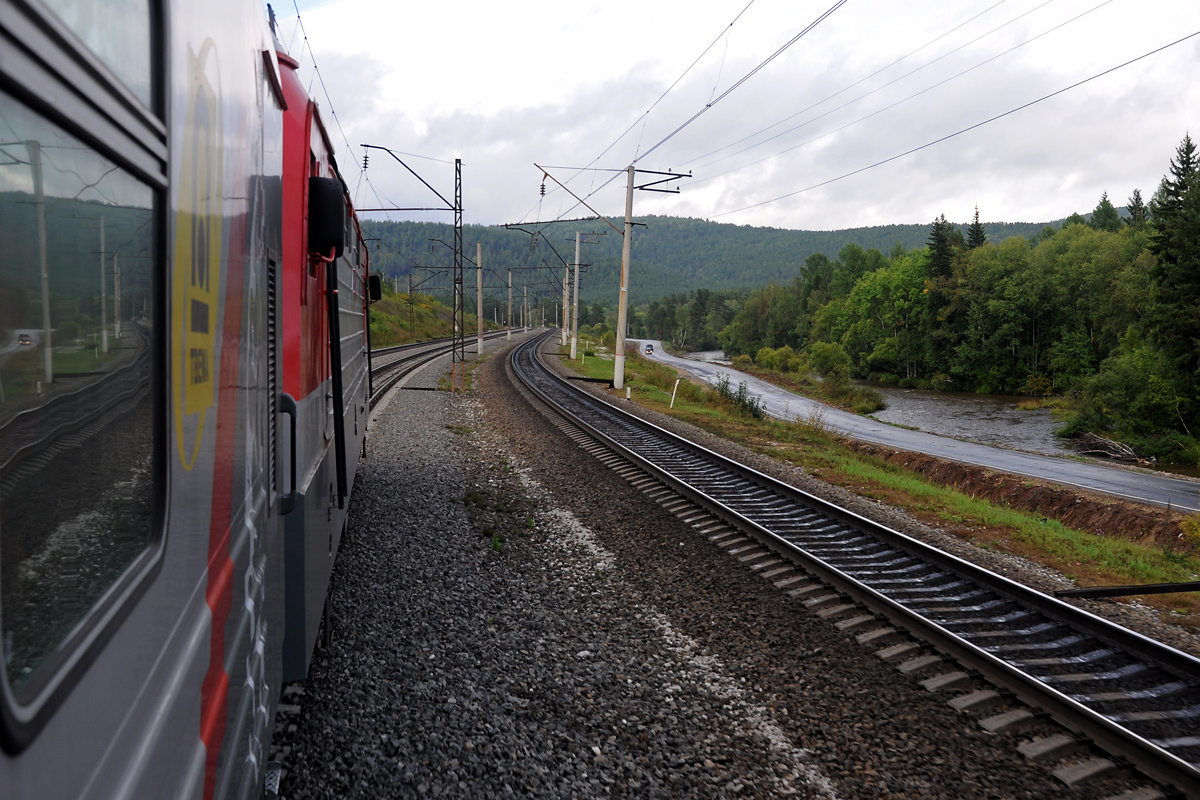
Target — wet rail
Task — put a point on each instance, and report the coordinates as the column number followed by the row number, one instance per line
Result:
column 389, row 365
column 1134, row 697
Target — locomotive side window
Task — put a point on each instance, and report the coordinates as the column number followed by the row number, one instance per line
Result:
column 118, row 32
column 78, row 485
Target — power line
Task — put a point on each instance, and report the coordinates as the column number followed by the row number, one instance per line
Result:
column 748, row 75
column 427, row 158
column 337, row 121
column 879, row 110
column 960, row 132
column 321, row 78
column 682, row 75
column 646, row 113
column 862, row 80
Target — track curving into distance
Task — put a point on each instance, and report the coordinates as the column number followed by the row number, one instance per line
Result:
column 390, row 364
column 1135, row 697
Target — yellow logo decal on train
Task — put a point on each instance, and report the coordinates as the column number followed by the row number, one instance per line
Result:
column 197, row 258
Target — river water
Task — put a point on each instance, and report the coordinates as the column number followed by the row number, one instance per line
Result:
column 987, row 419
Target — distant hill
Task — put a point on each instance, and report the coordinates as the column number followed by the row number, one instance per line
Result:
column 670, row 254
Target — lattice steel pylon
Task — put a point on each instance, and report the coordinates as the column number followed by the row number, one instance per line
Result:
column 458, row 358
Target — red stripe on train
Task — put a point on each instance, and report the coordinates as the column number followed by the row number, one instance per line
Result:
column 214, row 692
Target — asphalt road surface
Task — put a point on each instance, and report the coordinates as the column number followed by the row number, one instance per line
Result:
column 1157, row 488
column 13, row 346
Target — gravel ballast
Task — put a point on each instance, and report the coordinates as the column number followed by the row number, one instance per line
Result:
column 515, row 620
column 1130, row 614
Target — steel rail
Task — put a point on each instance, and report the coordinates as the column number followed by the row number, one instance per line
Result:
column 34, row 429
column 382, row 351
column 389, row 374
column 1154, row 760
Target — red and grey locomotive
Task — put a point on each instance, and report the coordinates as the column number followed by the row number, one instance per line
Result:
column 183, row 393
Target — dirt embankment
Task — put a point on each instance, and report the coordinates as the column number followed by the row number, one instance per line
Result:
column 1079, row 510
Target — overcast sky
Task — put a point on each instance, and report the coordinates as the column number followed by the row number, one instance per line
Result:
column 504, row 85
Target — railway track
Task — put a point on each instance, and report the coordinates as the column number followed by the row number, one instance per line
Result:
column 66, row 420
column 389, row 365
column 1135, row 698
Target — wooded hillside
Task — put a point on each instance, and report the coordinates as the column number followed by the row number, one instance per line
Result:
column 669, row 253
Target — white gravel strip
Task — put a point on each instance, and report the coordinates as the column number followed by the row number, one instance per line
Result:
column 572, row 536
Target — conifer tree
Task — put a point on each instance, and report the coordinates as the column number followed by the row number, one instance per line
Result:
column 1173, row 318
column 941, row 251
column 1105, row 216
column 1138, row 213
column 975, row 234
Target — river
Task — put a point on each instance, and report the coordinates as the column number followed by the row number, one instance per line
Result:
column 986, row 419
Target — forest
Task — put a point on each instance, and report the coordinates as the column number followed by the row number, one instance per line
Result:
column 668, row 252
column 1104, row 309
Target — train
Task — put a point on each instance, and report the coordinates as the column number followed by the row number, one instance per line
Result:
column 184, row 393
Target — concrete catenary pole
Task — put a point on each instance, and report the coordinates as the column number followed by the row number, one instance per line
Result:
column 623, row 305
column 103, row 295
column 116, row 297
column 524, row 308
column 566, row 299
column 575, row 304
column 479, row 294
column 39, row 203
column 508, row 319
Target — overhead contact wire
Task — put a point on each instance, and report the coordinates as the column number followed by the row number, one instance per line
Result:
column 862, row 80
column 877, row 111
column 962, row 131
column 748, row 75
column 682, row 75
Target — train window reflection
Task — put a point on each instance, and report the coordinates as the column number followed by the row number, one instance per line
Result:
column 77, row 482
column 118, row 32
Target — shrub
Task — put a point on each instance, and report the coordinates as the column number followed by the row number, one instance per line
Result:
column 690, row 392
column 829, row 358
column 866, row 406
column 941, row 382
column 1191, row 532
column 740, row 400
column 742, row 361
column 765, row 358
column 833, row 363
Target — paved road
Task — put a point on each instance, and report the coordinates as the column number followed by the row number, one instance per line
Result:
column 1155, row 488
column 13, row 346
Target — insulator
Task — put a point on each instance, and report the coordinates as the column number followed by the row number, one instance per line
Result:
column 365, row 157
column 543, row 190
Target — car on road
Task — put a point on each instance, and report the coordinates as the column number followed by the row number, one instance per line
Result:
column 649, row 349
column 24, row 338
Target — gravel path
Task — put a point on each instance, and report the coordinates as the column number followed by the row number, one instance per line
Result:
column 514, row 620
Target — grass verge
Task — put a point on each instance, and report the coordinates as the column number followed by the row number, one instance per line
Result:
column 1087, row 558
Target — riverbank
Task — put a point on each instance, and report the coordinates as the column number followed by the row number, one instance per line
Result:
column 1024, row 424
column 1088, row 538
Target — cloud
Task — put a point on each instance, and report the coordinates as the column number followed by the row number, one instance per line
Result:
column 505, row 86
